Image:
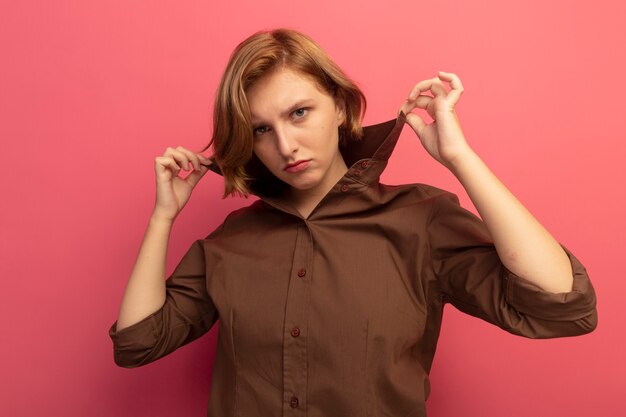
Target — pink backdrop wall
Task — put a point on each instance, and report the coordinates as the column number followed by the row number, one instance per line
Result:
column 92, row 91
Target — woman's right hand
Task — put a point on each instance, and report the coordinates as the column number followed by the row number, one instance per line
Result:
column 172, row 191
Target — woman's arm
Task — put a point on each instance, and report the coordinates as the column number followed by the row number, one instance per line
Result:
column 146, row 290
column 524, row 246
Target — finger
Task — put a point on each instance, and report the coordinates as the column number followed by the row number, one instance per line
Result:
column 193, row 178
column 427, row 85
column 438, row 88
column 180, row 156
column 177, row 156
column 169, row 151
column 196, row 158
column 204, row 160
column 192, row 158
column 416, row 123
column 182, row 159
column 406, row 107
column 168, row 162
column 419, row 88
column 422, row 101
column 427, row 103
column 174, row 166
column 456, row 87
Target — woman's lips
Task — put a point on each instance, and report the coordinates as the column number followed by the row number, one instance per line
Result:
column 299, row 166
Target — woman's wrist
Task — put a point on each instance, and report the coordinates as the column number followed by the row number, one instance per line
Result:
column 160, row 219
column 461, row 160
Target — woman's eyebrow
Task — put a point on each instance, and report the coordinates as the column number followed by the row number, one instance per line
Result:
column 296, row 105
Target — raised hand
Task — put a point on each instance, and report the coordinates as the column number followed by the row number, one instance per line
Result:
column 443, row 138
column 173, row 191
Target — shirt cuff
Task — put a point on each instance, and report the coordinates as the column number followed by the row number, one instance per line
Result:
column 133, row 342
column 530, row 299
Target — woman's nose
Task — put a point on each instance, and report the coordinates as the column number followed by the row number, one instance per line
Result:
column 285, row 142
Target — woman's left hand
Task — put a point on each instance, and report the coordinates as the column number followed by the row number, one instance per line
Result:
column 443, row 138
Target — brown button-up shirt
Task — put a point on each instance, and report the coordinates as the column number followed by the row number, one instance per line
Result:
column 339, row 314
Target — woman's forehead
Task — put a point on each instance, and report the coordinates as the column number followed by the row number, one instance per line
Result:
column 281, row 89
column 282, row 78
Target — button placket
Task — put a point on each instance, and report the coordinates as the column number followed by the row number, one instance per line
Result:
column 295, row 355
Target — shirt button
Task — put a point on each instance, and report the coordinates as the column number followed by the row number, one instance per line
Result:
column 344, row 188
column 357, row 172
column 365, row 164
column 293, row 402
column 295, row 332
column 302, row 272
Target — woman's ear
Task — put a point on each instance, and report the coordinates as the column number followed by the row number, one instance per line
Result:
column 341, row 112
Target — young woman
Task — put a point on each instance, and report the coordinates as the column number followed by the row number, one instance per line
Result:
column 330, row 288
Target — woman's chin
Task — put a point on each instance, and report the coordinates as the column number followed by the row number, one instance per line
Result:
column 303, row 185
column 299, row 187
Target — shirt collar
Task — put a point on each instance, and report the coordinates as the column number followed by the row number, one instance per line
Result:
column 365, row 158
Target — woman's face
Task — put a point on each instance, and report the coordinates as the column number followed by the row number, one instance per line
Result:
column 295, row 122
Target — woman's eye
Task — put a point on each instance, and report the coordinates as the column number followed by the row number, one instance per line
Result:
column 300, row 112
column 260, row 130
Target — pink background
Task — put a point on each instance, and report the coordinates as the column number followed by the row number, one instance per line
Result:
column 92, row 91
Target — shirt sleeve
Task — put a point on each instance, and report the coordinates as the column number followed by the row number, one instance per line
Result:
column 187, row 314
column 474, row 280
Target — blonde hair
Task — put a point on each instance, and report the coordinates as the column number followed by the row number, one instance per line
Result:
column 257, row 55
